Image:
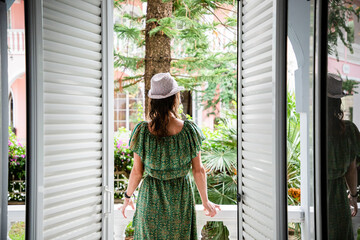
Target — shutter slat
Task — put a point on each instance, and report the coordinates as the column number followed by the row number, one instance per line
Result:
column 257, row 137
column 71, row 50
column 253, row 234
column 259, row 79
column 66, row 59
column 256, row 214
column 257, row 226
column 52, row 191
column 63, row 218
column 255, row 147
column 73, row 109
column 70, row 196
column 260, row 208
column 82, row 233
column 256, row 31
column 72, row 176
column 68, row 99
column 257, row 118
column 259, row 59
column 78, row 13
column 70, row 227
column 257, row 89
column 67, row 208
column 67, row 128
column 71, row 89
column 90, row 8
column 254, row 193
column 67, row 19
column 74, row 70
column 258, row 69
column 253, row 171
column 72, row 118
column 259, row 157
column 67, row 138
column 73, row 167
column 261, row 98
column 256, row 108
column 252, row 21
column 71, row 148
column 259, row 46
column 52, row 35
column 72, row 80
column 71, row 31
column 256, row 186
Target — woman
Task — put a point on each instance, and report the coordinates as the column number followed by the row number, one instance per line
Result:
column 166, row 148
column 343, row 150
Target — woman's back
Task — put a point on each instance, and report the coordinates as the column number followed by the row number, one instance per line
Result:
column 166, row 206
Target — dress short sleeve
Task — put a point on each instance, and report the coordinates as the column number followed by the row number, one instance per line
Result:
column 355, row 139
column 196, row 137
column 136, row 141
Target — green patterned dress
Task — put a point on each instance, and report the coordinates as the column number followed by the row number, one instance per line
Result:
column 166, row 208
column 341, row 152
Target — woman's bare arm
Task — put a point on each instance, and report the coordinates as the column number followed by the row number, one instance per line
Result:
column 199, row 174
column 135, row 175
column 351, row 181
column 134, row 180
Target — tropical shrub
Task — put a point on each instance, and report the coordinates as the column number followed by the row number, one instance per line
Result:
column 293, row 151
column 123, row 162
column 17, row 157
column 17, row 161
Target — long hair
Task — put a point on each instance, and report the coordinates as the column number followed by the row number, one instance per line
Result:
column 160, row 111
column 335, row 117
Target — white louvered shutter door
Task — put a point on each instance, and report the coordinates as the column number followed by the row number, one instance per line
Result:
column 257, row 164
column 77, row 89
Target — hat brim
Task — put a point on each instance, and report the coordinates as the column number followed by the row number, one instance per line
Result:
column 174, row 91
column 336, row 96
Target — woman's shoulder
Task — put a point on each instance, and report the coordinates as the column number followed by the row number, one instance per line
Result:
column 351, row 127
column 194, row 128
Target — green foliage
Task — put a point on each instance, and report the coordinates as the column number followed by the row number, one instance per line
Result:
column 194, row 61
column 123, row 162
column 338, row 25
column 123, row 156
column 17, row 163
column 17, row 157
column 349, row 86
column 216, row 230
column 293, row 148
column 129, row 231
column 17, row 231
column 219, row 156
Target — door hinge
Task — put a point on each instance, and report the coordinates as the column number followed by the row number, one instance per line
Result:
column 238, row 197
column 110, row 202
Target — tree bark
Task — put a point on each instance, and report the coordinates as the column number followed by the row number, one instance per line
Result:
column 157, row 47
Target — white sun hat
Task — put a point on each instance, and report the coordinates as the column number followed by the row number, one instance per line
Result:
column 334, row 87
column 163, row 85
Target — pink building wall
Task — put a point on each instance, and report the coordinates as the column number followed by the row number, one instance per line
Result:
column 334, row 66
column 17, row 15
column 19, row 90
column 18, row 86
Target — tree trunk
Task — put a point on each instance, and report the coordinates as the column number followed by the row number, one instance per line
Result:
column 157, row 47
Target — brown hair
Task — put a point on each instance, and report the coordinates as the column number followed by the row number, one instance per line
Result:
column 335, row 117
column 160, row 111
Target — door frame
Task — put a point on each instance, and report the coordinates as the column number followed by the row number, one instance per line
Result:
column 320, row 117
column 4, row 121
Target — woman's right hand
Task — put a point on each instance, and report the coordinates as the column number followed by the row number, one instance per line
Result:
column 353, row 204
column 210, row 208
column 127, row 202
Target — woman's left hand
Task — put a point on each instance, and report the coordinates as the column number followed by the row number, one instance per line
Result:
column 127, row 202
column 353, row 204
